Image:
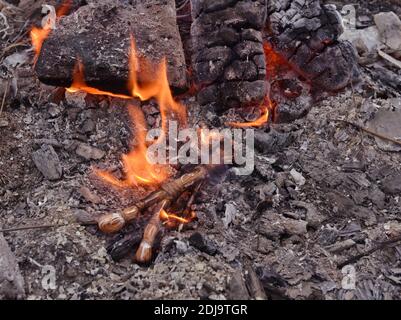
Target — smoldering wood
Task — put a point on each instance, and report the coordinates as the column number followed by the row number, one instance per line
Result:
column 306, row 34
column 114, row 222
column 227, row 54
column 99, row 35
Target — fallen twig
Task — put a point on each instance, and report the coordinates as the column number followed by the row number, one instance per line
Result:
column 371, row 132
column 45, row 226
column 4, row 97
column 378, row 247
column 389, row 58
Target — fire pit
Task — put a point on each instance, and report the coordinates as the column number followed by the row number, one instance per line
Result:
column 197, row 149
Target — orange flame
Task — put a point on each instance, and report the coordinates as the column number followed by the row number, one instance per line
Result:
column 274, row 61
column 262, row 120
column 155, row 87
column 79, row 84
column 137, row 168
column 39, row 35
column 172, row 220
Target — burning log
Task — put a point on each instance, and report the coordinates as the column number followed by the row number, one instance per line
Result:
column 144, row 253
column 98, row 35
column 228, row 57
column 305, row 33
column 114, row 222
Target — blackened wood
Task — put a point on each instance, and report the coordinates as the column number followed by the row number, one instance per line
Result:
column 306, row 34
column 99, row 35
column 228, row 58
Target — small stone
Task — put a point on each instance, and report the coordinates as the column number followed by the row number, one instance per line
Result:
column 386, row 122
column 3, row 123
column 297, row 177
column 89, row 152
column 389, row 25
column 181, row 246
column 393, row 229
column 392, row 184
column 48, row 163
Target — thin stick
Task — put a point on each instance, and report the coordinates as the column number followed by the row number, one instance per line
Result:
column 144, row 253
column 4, row 97
column 193, row 196
column 45, row 226
column 11, row 46
column 371, row 132
column 380, row 246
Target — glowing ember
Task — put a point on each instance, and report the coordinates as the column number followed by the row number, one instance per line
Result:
column 79, row 84
column 274, row 62
column 137, row 168
column 262, row 120
column 172, row 220
column 39, row 35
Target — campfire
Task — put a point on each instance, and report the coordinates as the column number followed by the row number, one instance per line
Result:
column 147, row 80
column 138, row 170
column 204, row 101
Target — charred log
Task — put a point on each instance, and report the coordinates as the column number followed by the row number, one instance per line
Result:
column 99, row 35
column 305, row 33
column 228, row 57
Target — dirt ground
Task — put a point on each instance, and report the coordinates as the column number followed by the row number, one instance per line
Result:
column 322, row 192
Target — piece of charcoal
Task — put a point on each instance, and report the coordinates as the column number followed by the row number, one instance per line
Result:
column 236, row 288
column 227, row 52
column 199, row 241
column 47, row 162
column 98, row 34
column 306, row 34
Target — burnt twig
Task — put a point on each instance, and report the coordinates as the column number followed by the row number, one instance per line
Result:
column 371, row 132
column 4, row 97
column 378, row 247
column 46, row 226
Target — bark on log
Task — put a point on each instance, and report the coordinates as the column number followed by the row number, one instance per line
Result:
column 306, row 34
column 99, row 35
column 228, row 57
